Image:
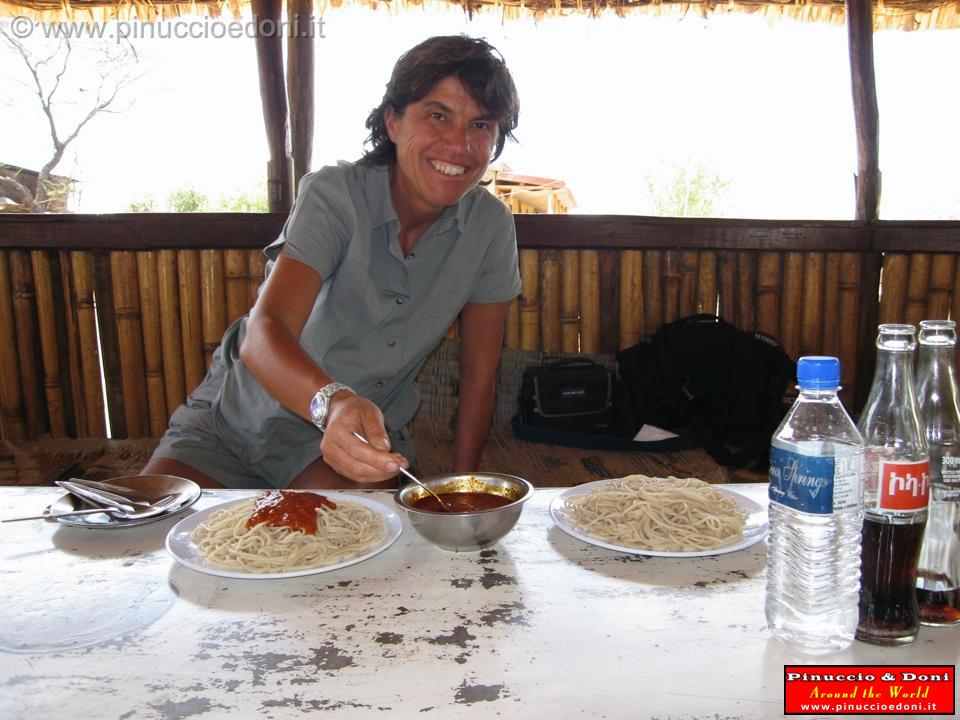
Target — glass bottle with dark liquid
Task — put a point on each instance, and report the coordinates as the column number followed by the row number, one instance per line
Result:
column 938, row 575
column 896, row 492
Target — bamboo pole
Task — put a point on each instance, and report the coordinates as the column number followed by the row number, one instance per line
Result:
column 25, row 318
column 191, row 318
column 631, row 297
column 550, row 301
column 670, row 285
column 126, row 298
column 769, row 276
column 707, row 283
column 257, row 263
column 168, row 281
column 589, row 302
column 830, row 339
column 942, row 266
column 110, row 362
column 849, row 335
column 269, row 48
column 511, row 335
column 300, row 85
column 918, row 283
column 727, row 270
column 50, row 351
column 894, row 288
column 689, row 259
column 13, row 423
column 871, row 264
column 811, row 317
column 609, row 282
column 83, row 282
column 570, row 263
column 152, row 343
column 530, row 300
column 653, row 291
column 237, row 276
column 81, row 427
column 213, row 302
column 866, row 113
column 792, row 304
column 955, row 300
column 746, row 313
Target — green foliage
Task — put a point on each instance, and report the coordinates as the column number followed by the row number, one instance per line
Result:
column 691, row 190
column 147, row 203
column 187, row 200
column 251, row 201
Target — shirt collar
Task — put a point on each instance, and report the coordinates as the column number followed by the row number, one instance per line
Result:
column 378, row 194
column 383, row 212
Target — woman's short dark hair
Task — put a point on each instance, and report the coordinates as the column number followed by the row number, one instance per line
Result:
column 474, row 62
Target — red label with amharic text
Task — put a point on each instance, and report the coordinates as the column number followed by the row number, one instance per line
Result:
column 903, row 486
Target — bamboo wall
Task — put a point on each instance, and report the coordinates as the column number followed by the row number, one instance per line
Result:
column 126, row 334
column 149, row 320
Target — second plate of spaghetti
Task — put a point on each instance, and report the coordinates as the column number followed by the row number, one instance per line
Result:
column 654, row 516
column 194, row 541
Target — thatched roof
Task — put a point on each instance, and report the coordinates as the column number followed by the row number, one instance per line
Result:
column 888, row 14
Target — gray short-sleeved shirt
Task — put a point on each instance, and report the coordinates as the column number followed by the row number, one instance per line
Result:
column 375, row 320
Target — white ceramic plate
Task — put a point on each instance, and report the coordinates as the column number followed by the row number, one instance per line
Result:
column 181, row 546
column 154, row 486
column 754, row 531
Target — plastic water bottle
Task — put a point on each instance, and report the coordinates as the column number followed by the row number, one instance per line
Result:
column 816, row 497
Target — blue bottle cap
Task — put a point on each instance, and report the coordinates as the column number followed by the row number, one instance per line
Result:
column 816, row 372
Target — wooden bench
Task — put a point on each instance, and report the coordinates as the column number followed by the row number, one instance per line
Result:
column 41, row 462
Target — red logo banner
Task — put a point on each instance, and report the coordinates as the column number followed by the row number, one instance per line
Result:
column 869, row 689
column 903, row 485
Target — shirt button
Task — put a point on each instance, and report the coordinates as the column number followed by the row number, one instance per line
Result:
column 412, row 255
column 391, row 343
column 400, row 301
column 379, row 383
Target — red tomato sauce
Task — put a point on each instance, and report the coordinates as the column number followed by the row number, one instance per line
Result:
column 286, row 508
column 462, row 502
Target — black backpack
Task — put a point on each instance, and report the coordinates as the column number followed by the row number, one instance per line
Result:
column 702, row 374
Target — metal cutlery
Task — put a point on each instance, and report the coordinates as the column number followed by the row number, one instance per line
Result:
column 126, row 492
column 411, row 476
column 104, row 497
column 159, row 507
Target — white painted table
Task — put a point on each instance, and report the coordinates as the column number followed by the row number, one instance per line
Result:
column 539, row 626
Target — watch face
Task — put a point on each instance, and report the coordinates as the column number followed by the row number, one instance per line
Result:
column 318, row 408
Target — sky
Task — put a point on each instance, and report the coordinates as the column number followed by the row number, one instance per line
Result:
column 605, row 104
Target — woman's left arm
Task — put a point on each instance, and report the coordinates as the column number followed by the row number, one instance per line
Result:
column 481, row 338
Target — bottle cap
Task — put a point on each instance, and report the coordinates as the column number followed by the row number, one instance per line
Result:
column 816, row 372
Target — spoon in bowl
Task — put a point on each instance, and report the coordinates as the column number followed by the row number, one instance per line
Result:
column 410, row 475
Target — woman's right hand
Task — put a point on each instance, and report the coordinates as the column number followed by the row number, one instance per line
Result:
column 352, row 457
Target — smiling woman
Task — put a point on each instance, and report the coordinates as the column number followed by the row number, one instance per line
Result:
column 349, row 310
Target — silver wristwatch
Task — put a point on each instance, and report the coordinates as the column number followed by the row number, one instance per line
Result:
column 320, row 405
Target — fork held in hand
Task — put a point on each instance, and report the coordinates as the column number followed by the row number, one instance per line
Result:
column 410, row 475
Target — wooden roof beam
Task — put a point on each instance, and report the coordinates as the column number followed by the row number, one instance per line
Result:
column 269, row 43
column 300, row 65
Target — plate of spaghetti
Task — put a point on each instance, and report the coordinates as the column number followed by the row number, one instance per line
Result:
column 283, row 534
column 666, row 517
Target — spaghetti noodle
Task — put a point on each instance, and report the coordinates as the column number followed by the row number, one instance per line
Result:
column 662, row 514
column 344, row 531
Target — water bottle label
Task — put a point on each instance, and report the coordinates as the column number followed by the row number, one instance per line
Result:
column 950, row 471
column 814, row 484
column 903, row 486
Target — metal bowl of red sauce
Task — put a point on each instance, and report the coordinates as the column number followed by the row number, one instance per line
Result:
column 486, row 507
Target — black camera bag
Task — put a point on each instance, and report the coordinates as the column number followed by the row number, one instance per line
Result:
column 575, row 394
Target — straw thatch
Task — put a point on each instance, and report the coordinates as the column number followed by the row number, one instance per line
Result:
column 889, row 14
